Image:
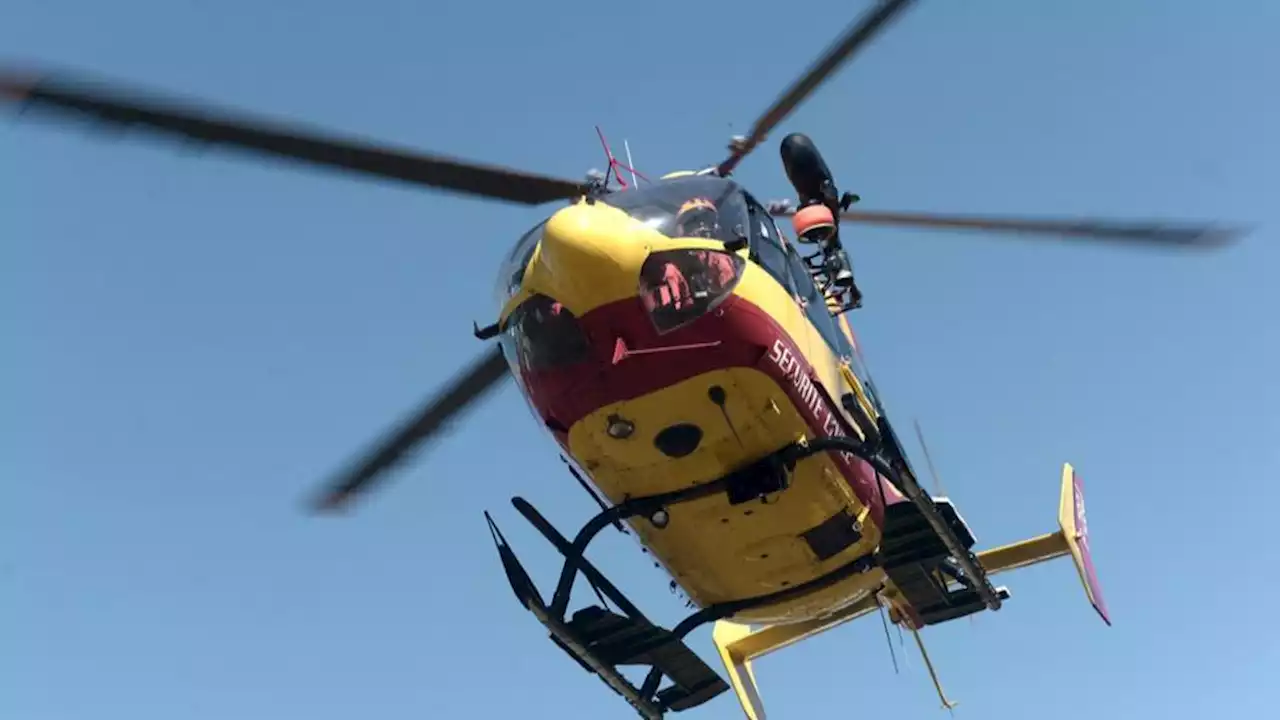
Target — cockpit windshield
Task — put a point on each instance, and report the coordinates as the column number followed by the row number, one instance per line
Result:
column 511, row 274
column 696, row 206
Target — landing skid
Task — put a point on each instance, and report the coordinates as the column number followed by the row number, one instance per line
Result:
column 603, row 641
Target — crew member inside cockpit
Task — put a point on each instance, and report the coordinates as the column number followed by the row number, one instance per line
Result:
column 699, row 218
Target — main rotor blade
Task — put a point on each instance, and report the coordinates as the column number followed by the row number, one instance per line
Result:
column 1150, row 233
column 68, row 97
column 858, row 34
column 1156, row 233
column 459, row 396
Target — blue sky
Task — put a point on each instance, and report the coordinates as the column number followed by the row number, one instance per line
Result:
column 194, row 342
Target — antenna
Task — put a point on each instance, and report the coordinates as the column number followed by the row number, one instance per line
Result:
column 613, row 162
column 630, row 165
column 616, row 167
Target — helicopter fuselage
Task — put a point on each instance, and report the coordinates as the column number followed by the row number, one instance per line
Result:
column 660, row 362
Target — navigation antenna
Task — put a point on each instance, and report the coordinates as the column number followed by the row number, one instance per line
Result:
column 616, row 166
column 630, row 165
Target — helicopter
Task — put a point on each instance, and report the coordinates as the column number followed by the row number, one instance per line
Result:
column 697, row 367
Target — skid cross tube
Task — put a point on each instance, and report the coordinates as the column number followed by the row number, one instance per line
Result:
column 574, row 563
column 625, row 510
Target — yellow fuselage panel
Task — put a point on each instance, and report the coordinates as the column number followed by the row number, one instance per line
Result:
column 718, row 551
column 760, row 349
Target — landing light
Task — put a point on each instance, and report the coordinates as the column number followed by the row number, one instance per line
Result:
column 660, row 519
column 620, row 428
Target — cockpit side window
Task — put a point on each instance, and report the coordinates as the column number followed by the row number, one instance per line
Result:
column 511, row 274
column 815, row 306
column 767, row 247
column 542, row 334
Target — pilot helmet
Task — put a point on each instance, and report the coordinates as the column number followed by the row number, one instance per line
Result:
column 698, row 217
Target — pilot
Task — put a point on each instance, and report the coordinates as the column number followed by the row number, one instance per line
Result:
column 698, row 218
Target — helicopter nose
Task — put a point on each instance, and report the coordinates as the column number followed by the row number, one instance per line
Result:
column 590, row 256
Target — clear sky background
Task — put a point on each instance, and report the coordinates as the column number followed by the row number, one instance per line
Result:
column 192, row 343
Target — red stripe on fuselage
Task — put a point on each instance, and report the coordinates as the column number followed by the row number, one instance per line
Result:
column 736, row 334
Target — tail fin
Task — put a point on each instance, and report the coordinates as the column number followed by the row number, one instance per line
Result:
column 1072, row 538
column 1075, row 530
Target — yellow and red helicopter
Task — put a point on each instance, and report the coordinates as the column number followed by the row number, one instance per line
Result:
column 698, row 367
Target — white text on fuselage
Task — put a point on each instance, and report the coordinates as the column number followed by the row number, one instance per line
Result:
column 793, row 370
